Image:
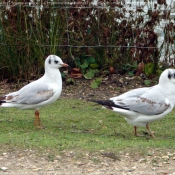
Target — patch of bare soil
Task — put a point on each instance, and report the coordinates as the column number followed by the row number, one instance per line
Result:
column 111, row 86
column 29, row 162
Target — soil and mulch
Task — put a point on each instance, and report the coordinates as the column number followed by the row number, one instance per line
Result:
column 70, row 162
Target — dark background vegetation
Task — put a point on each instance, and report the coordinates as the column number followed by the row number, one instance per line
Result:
column 89, row 37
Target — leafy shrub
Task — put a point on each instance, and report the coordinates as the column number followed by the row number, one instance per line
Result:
column 111, row 33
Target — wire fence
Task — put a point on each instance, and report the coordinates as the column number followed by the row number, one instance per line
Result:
column 113, row 32
column 68, row 5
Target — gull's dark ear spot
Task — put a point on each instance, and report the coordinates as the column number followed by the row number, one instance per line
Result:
column 169, row 75
column 49, row 61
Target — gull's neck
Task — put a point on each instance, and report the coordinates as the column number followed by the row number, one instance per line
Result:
column 52, row 75
column 166, row 84
column 168, row 89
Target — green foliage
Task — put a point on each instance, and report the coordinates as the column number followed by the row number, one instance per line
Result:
column 89, row 75
column 96, row 83
column 24, row 40
column 105, row 36
column 130, row 68
column 147, row 82
column 70, row 81
column 149, row 69
column 88, row 66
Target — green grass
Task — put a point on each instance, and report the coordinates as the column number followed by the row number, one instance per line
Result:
column 81, row 126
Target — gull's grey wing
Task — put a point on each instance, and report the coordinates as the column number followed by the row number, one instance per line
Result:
column 150, row 103
column 132, row 93
column 32, row 93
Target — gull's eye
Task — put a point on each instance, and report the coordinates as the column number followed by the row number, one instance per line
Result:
column 56, row 62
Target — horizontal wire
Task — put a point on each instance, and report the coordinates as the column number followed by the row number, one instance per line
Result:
column 86, row 46
column 69, row 6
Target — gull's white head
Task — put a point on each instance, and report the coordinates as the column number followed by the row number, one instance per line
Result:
column 55, row 62
column 167, row 75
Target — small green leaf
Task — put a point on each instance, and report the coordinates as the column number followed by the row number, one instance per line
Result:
column 148, row 69
column 63, row 75
column 77, row 61
column 95, row 71
column 89, row 75
column 90, row 60
column 84, row 65
column 147, row 82
column 130, row 73
column 94, row 65
column 70, row 81
column 98, row 80
column 135, row 64
column 94, row 85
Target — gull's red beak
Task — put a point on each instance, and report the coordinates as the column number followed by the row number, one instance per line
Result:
column 64, row 65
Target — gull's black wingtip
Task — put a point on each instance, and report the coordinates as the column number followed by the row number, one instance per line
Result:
column 103, row 102
column 108, row 104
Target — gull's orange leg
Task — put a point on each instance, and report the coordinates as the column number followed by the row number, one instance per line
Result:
column 135, row 131
column 151, row 133
column 37, row 121
column 147, row 127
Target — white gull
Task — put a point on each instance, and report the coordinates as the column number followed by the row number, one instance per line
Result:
column 39, row 93
column 144, row 105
